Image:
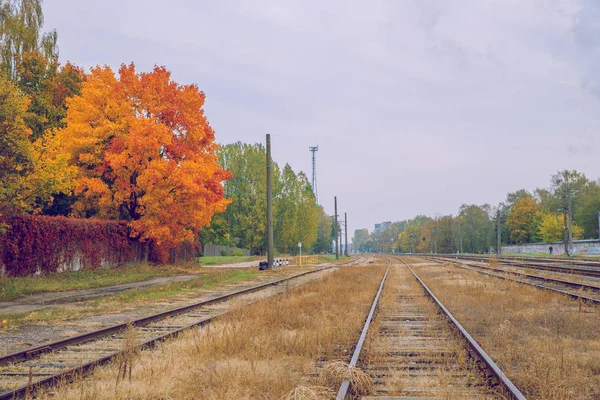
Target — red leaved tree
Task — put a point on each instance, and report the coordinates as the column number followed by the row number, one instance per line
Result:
column 145, row 153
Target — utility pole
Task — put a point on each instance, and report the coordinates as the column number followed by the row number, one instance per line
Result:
column 314, row 150
column 565, row 233
column 346, row 234
column 337, row 248
column 269, row 205
column 570, row 222
column 498, row 233
column 460, row 235
column 568, row 219
column 435, row 240
column 341, row 250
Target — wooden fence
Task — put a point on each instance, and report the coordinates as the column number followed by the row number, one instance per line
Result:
column 212, row 250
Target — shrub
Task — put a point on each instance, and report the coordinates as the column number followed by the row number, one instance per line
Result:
column 223, row 253
column 33, row 244
column 237, row 252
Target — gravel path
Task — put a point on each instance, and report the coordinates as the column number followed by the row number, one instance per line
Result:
column 48, row 299
column 40, row 333
column 38, row 301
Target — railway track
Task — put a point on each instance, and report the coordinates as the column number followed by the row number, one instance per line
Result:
column 589, row 268
column 576, row 290
column 417, row 353
column 24, row 372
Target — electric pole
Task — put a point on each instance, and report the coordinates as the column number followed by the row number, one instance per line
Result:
column 460, row 234
column 498, row 233
column 346, row 234
column 269, row 206
column 337, row 249
column 314, row 150
column 570, row 222
column 565, row 233
column 341, row 245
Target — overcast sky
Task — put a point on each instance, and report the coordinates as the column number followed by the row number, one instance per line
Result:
column 416, row 106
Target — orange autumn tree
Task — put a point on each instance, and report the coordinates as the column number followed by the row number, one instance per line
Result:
column 145, row 153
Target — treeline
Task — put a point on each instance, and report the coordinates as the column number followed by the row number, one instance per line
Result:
column 571, row 203
column 296, row 215
column 133, row 147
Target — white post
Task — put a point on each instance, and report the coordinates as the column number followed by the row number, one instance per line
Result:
column 300, row 246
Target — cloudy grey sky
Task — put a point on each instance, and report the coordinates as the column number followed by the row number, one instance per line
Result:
column 416, row 106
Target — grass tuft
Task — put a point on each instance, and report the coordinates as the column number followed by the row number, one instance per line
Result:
column 310, row 393
column 335, row 372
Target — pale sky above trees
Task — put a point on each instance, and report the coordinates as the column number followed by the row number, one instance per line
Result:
column 417, row 106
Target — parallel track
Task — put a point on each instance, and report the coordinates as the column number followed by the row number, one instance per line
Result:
column 23, row 372
column 586, row 292
column 565, row 266
column 418, row 344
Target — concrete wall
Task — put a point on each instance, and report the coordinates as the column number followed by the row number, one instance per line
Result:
column 582, row 247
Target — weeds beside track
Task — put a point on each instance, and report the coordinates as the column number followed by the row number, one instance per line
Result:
column 548, row 345
column 417, row 348
column 62, row 360
column 586, row 292
column 260, row 351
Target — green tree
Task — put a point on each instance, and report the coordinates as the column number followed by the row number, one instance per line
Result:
column 21, row 24
column 445, row 234
column 296, row 216
column 587, row 217
column 246, row 215
column 216, row 233
column 285, row 204
column 588, row 206
column 307, row 214
column 48, row 86
column 323, row 242
column 16, row 155
column 476, row 227
column 359, row 240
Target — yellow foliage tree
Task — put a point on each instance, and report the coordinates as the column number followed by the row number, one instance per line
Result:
column 523, row 220
column 29, row 172
column 144, row 152
column 551, row 228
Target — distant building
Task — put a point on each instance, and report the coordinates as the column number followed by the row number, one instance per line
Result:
column 383, row 226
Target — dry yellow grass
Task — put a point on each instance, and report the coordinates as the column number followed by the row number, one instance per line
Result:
column 266, row 350
column 547, row 344
column 445, row 369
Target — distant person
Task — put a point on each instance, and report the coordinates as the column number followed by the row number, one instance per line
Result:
column 550, row 249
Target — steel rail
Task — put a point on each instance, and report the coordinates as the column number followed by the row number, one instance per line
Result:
column 80, row 370
column 508, row 388
column 574, row 267
column 595, row 262
column 345, row 386
column 578, row 285
column 576, row 296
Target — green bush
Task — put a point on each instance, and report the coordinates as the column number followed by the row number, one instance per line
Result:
column 237, row 252
column 223, row 253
